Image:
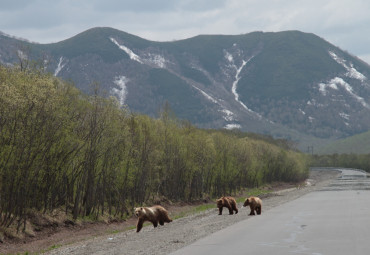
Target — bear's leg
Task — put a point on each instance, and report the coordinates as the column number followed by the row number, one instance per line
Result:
column 220, row 211
column 252, row 211
column 235, row 209
column 155, row 223
column 161, row 222
column 139, row 225
column 258, row 209
column 231, row 212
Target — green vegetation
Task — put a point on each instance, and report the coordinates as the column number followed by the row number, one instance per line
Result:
column 62, row 149
column 193, row 210
column 53, row 247
column 358, row 144
column 350, row 152
column 357, row 161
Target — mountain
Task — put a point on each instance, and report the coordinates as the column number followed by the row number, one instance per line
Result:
column 287, row 84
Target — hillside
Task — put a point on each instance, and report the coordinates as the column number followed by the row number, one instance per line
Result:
column 289, row 84
column 357, row 144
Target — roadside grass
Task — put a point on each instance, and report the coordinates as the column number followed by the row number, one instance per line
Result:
column 53, row 247
column 193, row 210
column 116, row 231
column 252, row 192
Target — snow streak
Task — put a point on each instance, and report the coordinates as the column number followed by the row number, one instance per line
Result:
column 335, row 82
column 351, row 71
column 228, row 114
column 206, row 95
column 121, row 92
column 59, row 67
column 235, row 83
column 129, row 52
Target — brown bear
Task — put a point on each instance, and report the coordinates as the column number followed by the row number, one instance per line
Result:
column 255, row 203
column 228, row 202
column 153, row 214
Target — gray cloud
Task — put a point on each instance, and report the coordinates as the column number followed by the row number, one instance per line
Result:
column 341, row 22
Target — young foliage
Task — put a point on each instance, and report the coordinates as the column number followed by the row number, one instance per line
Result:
column 61, row 149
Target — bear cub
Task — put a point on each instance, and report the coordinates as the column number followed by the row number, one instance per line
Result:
column 153, row 214
column 255, row 204
column 229, row 203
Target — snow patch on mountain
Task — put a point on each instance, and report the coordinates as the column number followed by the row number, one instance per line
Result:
column 121, row 91
column 129, row 52
column 233, row 126
column 22, row 55
column 351, row 71
column 206, row 95
column 235, row 84
column 339, row 82
column 156, row 60
column 323, row 87
column 314, row 103
column 229, row 115
column 229, row 57
column 344, row 115
column 60, row 66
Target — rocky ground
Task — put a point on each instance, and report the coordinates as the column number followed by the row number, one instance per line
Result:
column 110, row 239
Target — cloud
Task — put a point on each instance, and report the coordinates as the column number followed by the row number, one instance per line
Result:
column 341, row 22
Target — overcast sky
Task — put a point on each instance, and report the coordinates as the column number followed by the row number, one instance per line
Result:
column 344, row 23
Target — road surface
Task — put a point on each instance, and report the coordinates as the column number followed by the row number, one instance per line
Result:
column 332, row 220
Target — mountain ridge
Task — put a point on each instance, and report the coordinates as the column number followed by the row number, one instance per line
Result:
column 287, row 84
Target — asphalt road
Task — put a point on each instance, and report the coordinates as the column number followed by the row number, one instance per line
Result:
column 333, row 220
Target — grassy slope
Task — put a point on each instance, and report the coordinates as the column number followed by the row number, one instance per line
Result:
column 358, row 144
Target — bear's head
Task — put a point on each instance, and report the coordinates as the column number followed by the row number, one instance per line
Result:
column 139, row 211
column 220, row 202
column 246, row 202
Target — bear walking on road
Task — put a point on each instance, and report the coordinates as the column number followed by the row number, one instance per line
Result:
column 153, row 214
column 228, row 202
column 255, row 204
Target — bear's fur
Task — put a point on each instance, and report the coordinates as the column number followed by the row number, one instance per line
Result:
column 153, row 214
column 255, row 204
column 228, row 202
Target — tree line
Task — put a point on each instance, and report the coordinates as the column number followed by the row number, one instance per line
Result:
column 357, row 161
column 60, row 148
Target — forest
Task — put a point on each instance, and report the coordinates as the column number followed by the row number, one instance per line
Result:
column 351, row 160
column 60, row 148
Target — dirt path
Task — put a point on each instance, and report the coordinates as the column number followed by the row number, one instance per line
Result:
column 104, row 239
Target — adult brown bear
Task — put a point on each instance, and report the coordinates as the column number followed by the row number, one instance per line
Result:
column 255, row 204
column 228, row 202
column 153, row 214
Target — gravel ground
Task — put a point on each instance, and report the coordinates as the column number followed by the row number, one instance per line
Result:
column 184, row 231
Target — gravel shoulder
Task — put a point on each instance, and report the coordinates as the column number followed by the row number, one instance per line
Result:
column 164, row 239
